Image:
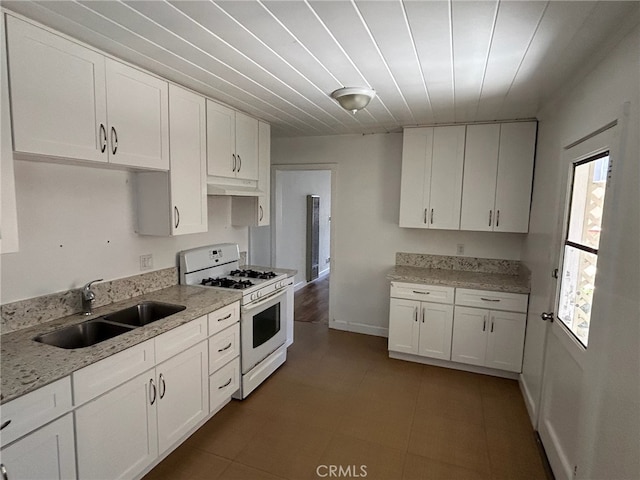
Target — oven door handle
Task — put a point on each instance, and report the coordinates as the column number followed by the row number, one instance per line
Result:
column 266, row 299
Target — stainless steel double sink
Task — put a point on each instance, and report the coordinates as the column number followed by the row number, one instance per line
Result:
column 108, row 326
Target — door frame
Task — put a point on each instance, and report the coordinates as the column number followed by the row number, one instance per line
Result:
column 276, row 215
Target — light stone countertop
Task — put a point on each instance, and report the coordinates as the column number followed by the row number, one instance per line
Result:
column 460, row 278
column 27, row 365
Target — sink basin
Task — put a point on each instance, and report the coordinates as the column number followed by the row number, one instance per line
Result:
column 83, row 334
column 143, row 313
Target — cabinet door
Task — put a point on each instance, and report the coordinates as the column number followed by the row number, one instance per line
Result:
column 417, row 151
column 435, row 330
column 46, row 454
column 221, row 140
column 403, row 325
column 479, row 183
column 183, row 394
column 138, row 114
column 469, row 343
column 446, row 177
column 246, row 147
column 515, row 176
column 505, row 343
column 264, row 173
column 58, row 102
column 188, row 149
column 117, row 433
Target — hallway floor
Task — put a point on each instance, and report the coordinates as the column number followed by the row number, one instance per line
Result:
column 339, row 400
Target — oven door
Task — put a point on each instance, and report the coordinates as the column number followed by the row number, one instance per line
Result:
column 262, row 328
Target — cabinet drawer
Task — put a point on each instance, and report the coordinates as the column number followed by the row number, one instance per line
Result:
column 223, row 384
column 513, row 302
column 417, row 291
column 106, row 374
column 179, row 339
column 30, row 411
column 224, row 346
column 223, row 318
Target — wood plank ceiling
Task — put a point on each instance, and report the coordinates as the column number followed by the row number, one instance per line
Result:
column 430, row 62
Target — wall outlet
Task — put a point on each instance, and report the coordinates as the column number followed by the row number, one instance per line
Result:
column 460, row 249
column 146, row 262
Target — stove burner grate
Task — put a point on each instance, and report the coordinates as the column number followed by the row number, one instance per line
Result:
column 227, row 283
column 253, row 274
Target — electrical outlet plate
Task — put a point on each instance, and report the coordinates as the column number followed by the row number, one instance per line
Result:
column 460, row 249
column 146, row 262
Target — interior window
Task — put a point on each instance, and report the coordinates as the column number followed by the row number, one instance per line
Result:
column 580, row 256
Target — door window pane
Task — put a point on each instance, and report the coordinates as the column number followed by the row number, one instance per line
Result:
column 587, row 200
column 576, row 291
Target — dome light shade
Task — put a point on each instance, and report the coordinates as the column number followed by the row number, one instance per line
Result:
column 353, row 98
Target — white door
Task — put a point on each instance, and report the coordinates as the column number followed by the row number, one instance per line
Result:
column 221, row 140
column 138, row 114
column 469, row 342
column 562, row 411
column 188, row 147
column 246, row 147
column 58, row 101
column 46, row 454
column 445, row 195
column 403, row 325
column 183, row 394
column 116, row 434
column 515, row 175
column 436, row 327
column 505, row 340
column 479, row 183
column 417, row 150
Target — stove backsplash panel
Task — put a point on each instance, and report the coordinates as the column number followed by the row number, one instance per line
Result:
column 37, row 310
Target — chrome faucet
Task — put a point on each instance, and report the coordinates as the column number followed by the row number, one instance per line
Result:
column 88, row 296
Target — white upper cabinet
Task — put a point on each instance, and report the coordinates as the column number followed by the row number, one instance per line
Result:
column 138, row 117
column 58, row 95
column 432, row 166
column 72, row 102
column 188, row 161
column 498, row 173
column 232, row 143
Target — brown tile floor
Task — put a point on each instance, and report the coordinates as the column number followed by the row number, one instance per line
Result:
column 339, row 400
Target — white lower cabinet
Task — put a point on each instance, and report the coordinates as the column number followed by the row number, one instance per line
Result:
column 116, row 434
column 46, row 454
column 488, row 338
column 436, row 329
column 183, row 394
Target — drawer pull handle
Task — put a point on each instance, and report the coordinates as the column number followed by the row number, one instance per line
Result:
column 225, row 348
column 490, row 299
column 3, row 471
column 224, row 318
column 225, row 385
column 5, row 424
column 421, row 293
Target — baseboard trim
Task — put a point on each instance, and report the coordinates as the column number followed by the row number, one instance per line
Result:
column 528, row 401
column 359, row 328
column 454, row 365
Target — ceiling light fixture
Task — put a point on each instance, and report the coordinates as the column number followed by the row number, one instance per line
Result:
column 353, row 98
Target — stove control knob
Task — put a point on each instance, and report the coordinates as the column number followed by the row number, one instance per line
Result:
column 259, row 294
column 252, row 296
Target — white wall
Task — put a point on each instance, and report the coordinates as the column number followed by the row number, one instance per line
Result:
column 290, row 208
column 77, row 224
column 609, row 439
column 365, row 222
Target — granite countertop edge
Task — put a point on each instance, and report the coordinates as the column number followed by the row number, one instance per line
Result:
column 28, row 365
column 460, row 278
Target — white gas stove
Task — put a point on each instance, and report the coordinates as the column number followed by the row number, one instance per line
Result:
column 264, row 309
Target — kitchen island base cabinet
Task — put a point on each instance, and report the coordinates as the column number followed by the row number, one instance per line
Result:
column 46, row 454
